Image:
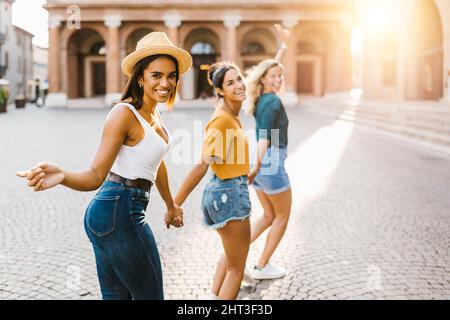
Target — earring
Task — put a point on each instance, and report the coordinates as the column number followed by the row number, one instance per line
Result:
column 141, row 85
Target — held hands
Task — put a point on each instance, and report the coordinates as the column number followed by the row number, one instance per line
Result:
column 253, row 173
column 251, row 176
column 174, row 216
column 43, row 176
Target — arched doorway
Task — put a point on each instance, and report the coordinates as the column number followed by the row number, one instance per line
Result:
column 426, row 43
column 257, row 44
column 204, row 46
column 86, row 64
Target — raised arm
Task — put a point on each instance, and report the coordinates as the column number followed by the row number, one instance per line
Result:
column 47, row 175
column 284, row 34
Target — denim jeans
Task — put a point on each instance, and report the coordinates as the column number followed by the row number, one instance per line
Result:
column 127, row 258
column 225, row 200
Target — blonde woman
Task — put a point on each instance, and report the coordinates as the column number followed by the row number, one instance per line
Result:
column 268, row 176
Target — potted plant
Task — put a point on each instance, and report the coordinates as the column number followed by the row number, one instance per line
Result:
column 20, row 101
column 4, row 94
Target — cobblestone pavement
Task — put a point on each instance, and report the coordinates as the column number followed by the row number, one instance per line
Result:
column 370, row 218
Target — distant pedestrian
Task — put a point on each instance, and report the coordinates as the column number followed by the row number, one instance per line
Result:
column 37, row 92
column 44, row 91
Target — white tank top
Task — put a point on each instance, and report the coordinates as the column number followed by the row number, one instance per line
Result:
column 143, row 160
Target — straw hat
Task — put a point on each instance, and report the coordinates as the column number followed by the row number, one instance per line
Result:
column 156, row 43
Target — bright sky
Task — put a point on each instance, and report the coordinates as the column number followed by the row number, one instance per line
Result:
column 29, row 15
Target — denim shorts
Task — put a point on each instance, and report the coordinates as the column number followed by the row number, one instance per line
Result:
column 272, row 177
column 225, row 200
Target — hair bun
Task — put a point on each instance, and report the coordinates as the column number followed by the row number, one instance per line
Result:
column 212, row 70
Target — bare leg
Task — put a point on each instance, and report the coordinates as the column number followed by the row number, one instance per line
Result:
column 236, row 241
column 282, row 207
column 219, row 276
column 257, row 227
column 262, row 223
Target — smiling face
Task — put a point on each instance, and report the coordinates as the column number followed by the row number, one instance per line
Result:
column 273, row 80
column 233, row 87
column 159, row 80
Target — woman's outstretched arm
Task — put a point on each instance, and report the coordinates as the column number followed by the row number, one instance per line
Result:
column 47, row 175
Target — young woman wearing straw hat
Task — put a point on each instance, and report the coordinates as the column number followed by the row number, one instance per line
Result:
column 128, row 162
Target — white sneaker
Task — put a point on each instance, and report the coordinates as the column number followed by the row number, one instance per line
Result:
column 211, row 296
column 268, row 272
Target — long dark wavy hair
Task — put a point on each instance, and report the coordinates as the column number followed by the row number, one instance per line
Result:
column 134, row 94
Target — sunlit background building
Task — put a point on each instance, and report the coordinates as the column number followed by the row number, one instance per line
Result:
column 86, row 55
column 392, row 50
column 406, row 52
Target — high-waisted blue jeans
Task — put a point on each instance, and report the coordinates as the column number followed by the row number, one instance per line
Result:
column 128, row 262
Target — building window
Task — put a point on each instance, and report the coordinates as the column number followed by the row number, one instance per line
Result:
column 253, row 48
column 202, row 48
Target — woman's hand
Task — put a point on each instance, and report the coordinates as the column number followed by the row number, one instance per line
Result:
column 43, row 176
column 283, row 33
column 252, row 175
column 174, row 216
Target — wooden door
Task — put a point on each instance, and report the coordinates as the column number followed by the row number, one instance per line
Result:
column 305, row 83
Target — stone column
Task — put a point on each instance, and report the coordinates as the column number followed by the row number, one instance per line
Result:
column 290, row 62
column 231, row 22
column 113, row 60
column 446, row 70
column 346, row 68
column 55, row 98
column 402, row 61
column 173, row 21
column 445, row 16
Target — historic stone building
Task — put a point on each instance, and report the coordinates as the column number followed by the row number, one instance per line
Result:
column 89, row 38
column 412, row 60
column 16, row 54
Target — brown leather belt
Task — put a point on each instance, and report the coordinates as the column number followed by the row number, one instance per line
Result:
column 138, row 183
